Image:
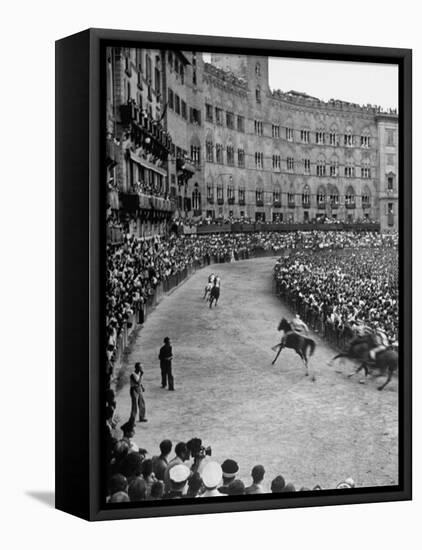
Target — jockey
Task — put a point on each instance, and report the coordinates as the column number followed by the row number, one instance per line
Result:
column 217, row 281
column 298, row 325
column 211, row 278
column 381, row 340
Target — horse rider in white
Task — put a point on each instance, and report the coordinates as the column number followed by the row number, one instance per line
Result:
column 297, row 326
column 217, row 281
column 382, row 342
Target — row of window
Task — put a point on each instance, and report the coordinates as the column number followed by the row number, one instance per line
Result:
column 322, row 169
column 178, row 105
column 321, row 197
column 221, row 117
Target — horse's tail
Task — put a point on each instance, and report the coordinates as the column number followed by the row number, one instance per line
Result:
column 311, row 344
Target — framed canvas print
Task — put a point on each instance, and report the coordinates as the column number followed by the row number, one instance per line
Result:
column 233, row 274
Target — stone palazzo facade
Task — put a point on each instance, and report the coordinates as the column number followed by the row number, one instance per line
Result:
column 212, row 140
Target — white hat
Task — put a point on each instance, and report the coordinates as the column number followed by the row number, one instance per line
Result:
column 212, row 475
column 179, row 473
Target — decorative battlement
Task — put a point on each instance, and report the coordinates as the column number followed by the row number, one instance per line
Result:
column 303, row 99
column 226, row 77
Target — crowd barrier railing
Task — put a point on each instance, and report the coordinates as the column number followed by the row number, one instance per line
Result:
column 141, row 314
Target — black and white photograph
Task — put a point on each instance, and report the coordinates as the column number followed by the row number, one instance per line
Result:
column 252, row 275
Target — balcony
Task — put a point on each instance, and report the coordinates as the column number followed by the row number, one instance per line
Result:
column 306, row 204
column 334, row 205
column 259, row 202
column 220, row 201
column 210, row 200
column 350, row 205
column 277, row 204
column 241, row 202
column 230, row 200
column 185, row 165
column 366, row 205
column 321, row 206
column 291, row 204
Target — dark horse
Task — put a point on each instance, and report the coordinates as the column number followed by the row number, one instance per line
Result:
column 294, row 341
column 214, row 295
column 386, row 361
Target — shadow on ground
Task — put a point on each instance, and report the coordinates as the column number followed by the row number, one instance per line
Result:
column 45, row 497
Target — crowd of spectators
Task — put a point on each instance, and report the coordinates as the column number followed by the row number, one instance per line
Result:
column 134, row 476
column 356, row 285
column 137, row 266
column 221, row 221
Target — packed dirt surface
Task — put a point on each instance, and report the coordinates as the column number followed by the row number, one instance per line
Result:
column 229, row 394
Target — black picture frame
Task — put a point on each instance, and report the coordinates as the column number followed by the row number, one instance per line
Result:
column 80, row 281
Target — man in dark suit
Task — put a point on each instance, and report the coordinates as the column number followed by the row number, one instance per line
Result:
column 165, row 356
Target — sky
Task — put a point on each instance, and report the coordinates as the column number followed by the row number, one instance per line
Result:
column 362, row 83
column 375, row 83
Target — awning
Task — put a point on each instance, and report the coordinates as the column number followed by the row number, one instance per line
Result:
column 147, row 164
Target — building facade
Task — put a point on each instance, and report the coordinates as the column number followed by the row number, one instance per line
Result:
column 234, row 148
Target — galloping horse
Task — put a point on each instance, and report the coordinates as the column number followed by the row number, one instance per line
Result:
column 295, row 341
column 387, row 361
column 214, row 295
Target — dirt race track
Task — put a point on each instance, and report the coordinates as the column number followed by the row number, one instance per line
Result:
column 228, row 393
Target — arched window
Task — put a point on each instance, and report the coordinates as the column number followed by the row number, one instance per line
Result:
column 259, row 193
column 334, row 166
column 333, row 196
column 365, row 139
column 196, row 199
column 320, row 135
column 349, row 137
column 349, row 168
column 321, row 197
column 209, row 148
column 306, row 197
column 210, row 191
column 366, row 197
column 333, row 135
column 258, row 94
column 365, row 168
column 291, row 197
column 230, row 191
column 320, row 168
column 277, row 195
column 390, row 181
column 241, row 193
column 195, row 151
column 350, row 197
column 258, row 69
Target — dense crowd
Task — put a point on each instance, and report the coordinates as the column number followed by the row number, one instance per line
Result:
column 191, row 472
column 137, row 266
column 356, row 286
column 221, row 220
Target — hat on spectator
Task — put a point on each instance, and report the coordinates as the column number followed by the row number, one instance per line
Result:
column 230, row 468
column 179, row 473
column 212, row 474
column 346, row 484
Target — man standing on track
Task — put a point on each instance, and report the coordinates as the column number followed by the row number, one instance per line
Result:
column 136, row 390
column 165, row 356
